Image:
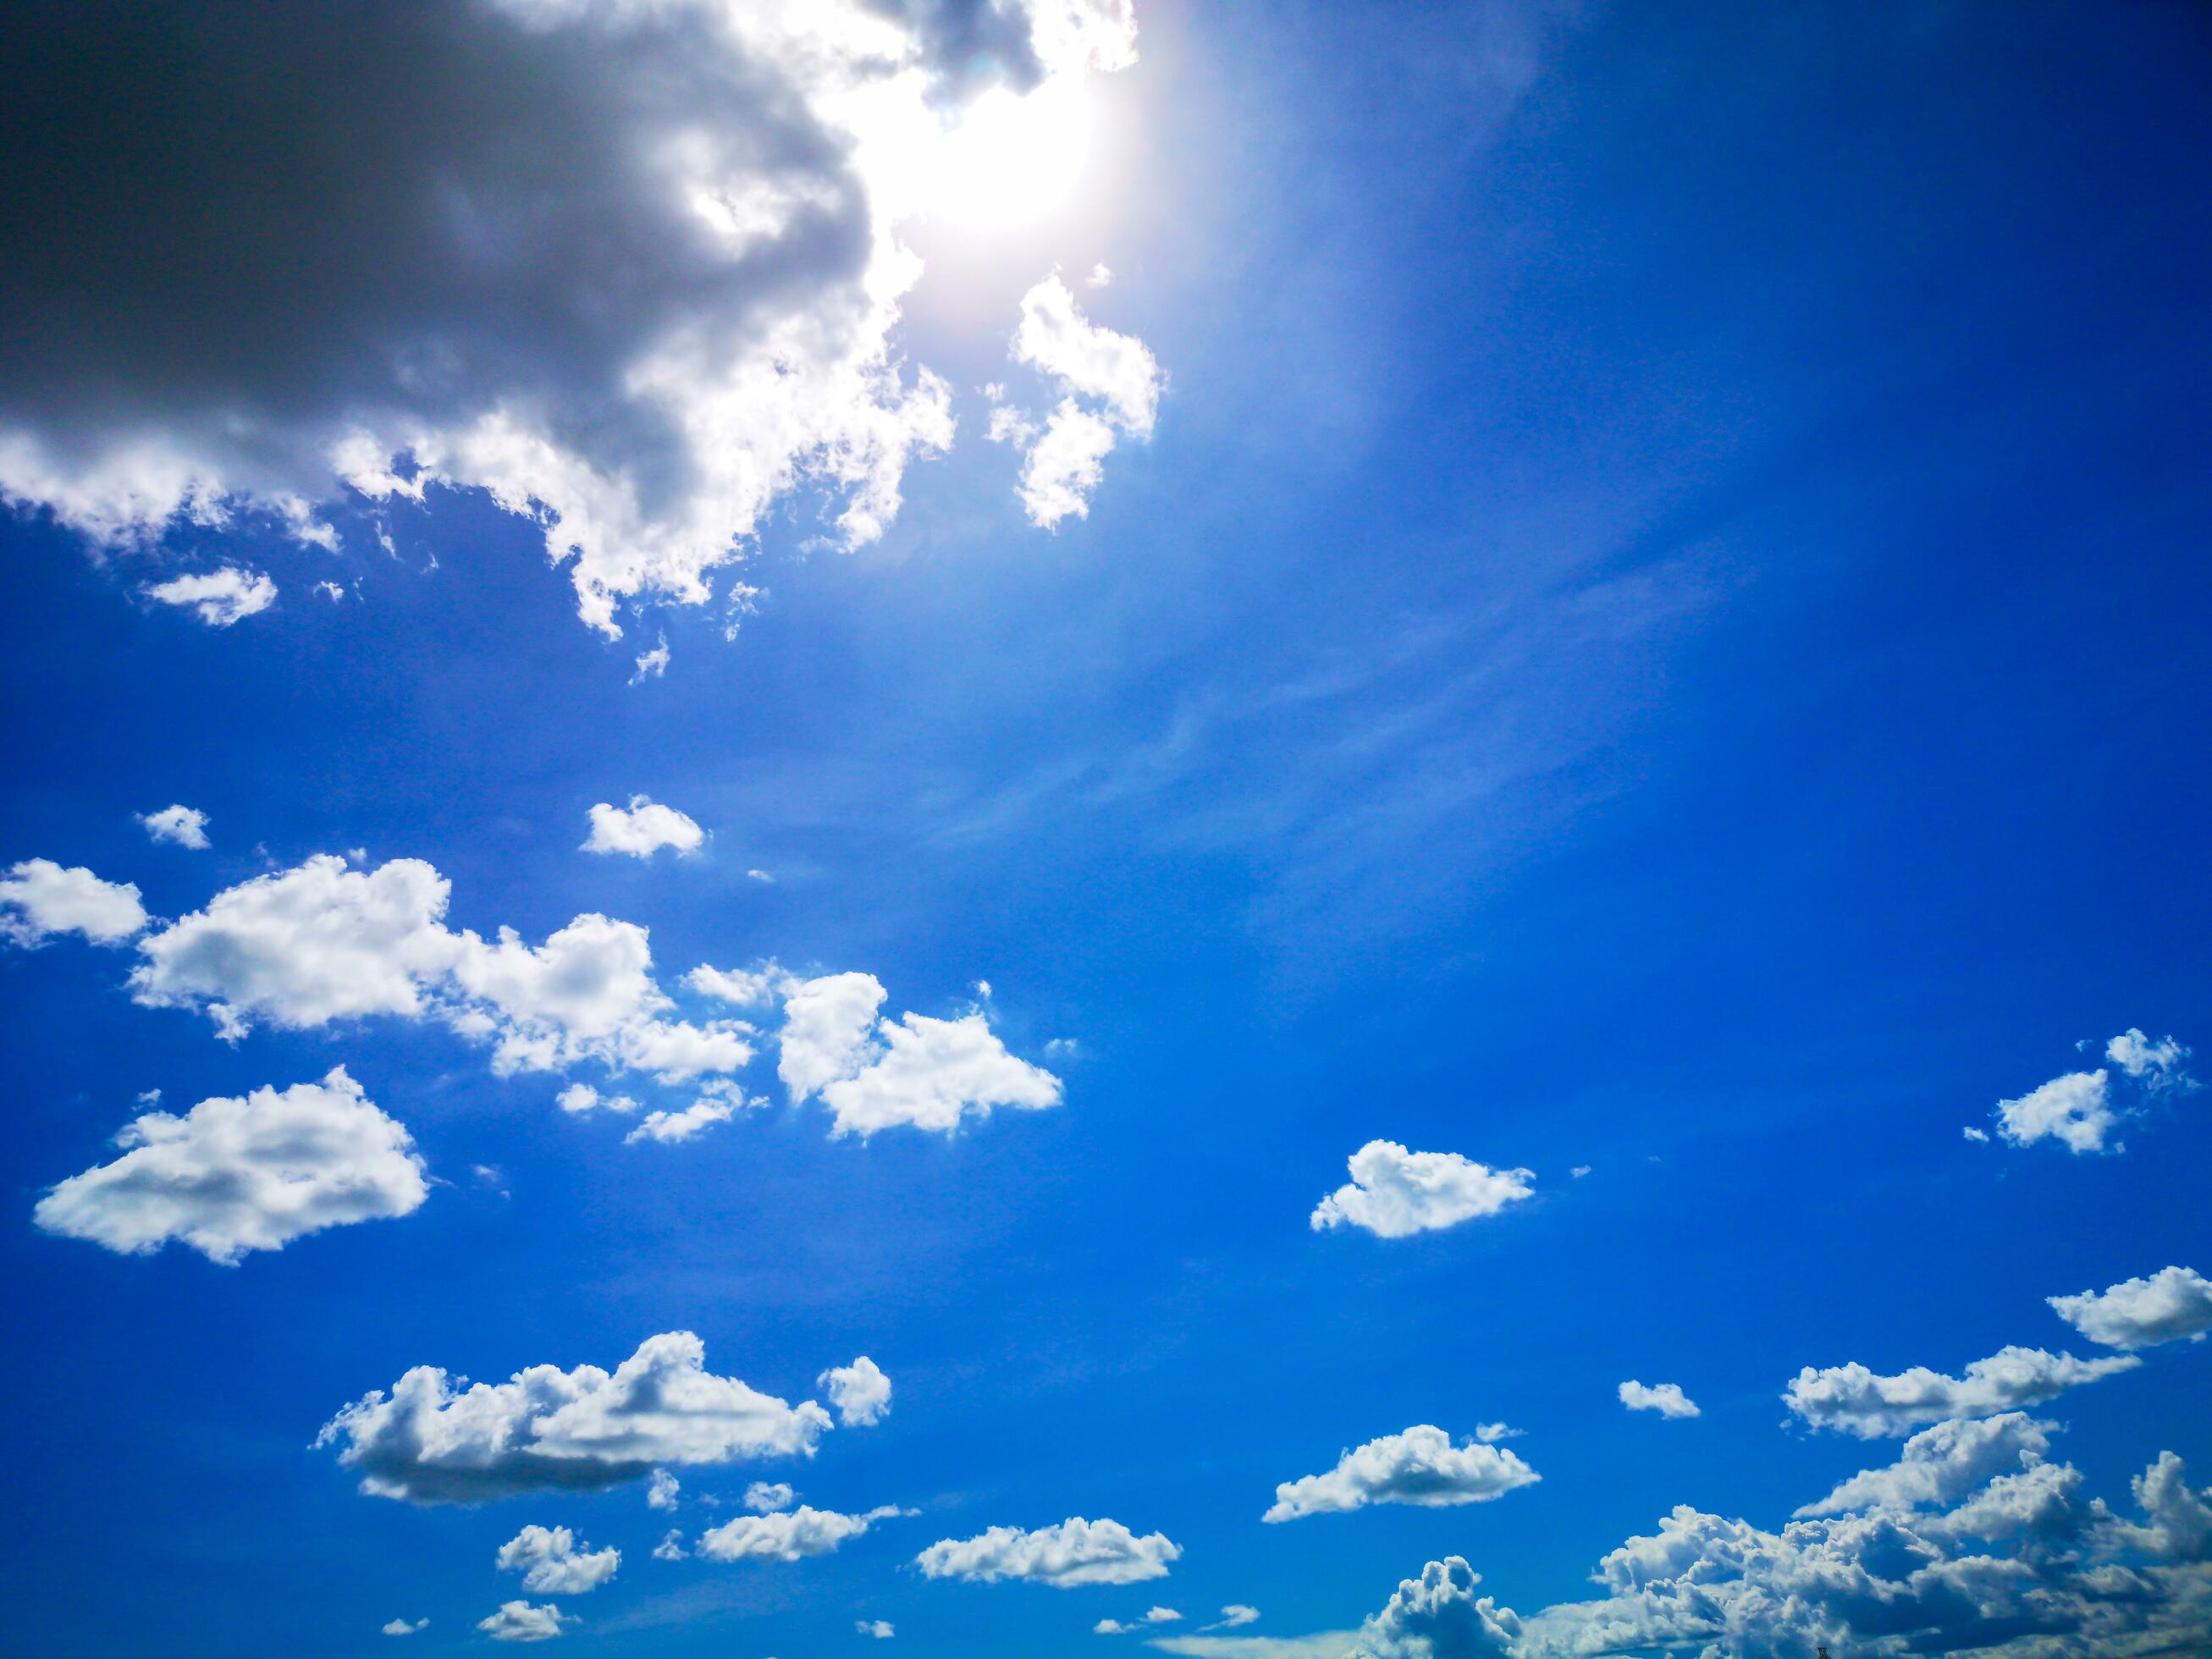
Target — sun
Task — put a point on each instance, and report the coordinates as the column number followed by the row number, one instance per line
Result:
column 1012, row 157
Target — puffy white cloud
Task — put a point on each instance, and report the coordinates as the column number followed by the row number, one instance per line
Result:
column 1665, row 1398
column 859, row 1391
column 2075, row 1110
column 632, row 271
column 580, row 1098
column 236, row 1175
column 185, row 825
column 1855, row 1400
column 2140, row 1313
column 874, row 1074
column 642, row 830
column 662, row 1491
column 551, row 1561
column 39, row 898
column 785, row 1535
column 1110, row 387
column 1438, row 1616
column 1420, row 1466
column 879, row 1628
column 671, row 1547
column 2158, row 1065
column 699, row 1116
column 433, row 1440
column 1488, row 1432
column 401, row 1627
column 1235, row 1616
column 519, row 1621
column 1394, row 1193
column 1940, row 1465
column 218, row 599
column 2180, row 1518
column 765, row 1497
column 1075, row 1552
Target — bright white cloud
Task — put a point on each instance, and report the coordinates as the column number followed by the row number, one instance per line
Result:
column 1439, row 1616
column 2075, row 1110
column 875, row 1074
column 1855, row 1401
column 785, row 1535
column 551, row 1562
column 859, row 1391
column 579, row 1098
column 765, row 1497
column 39, row 898
column 1235, row 1616
column 668, row 1128
column 401, row 1627
column 183, row 825
column 549, row 1430
column 651, row 664
column 642, row 830
column 2140, row 1313
column 1940, row 1465
column 734, row 178
column 1075, row 1552
column 2159, row 1066
column 1109, row 386
column 1665, row 1398
column 662, row 1490
column 234, row 1174
column 671, row 1547
column 1420, row 1466
column 519, row 1621
column 218, row 599
column 879, row 1628
column 1394, row 1193
column 1153, row 1618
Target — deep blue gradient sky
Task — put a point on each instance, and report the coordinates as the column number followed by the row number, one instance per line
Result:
column 1663, row 627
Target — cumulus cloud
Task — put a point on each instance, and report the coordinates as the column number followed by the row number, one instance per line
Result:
column 662, row 1490
column 699, row 1115
column 181, row 824
column 438, row 1439
column 1420, row 1466
column 38, row 899
column 1940, row 1466
column 634, row 272
column 1074, row 1553
column 859, row 1391
column 1109, row 386
column 2074, row 1110
column 551, row 1561
column 579, row 1098
column 218, row 599
column 877, row 1074
column 1665, row 1398
column 519, row 1621
column 879, row 1628
column 321, row 943
column 2140, row 1313
column 765, row 1497
column 401, row 1627
column 2158, row 1065
column 785, row 1535
column 1438, row 1616
column 234, row 1174
column 642, row 830
column 1394, row 1193
column 1855, row 1401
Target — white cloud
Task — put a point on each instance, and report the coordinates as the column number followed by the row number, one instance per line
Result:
column 746, row 989
column 549, row 1430
column 760, row 876
column 766, row 1496
column 639, row 269
column 551, row 1561
column 1940, row 1465
column 401, row 1627
column 2180, row 1527
column 1489, row 1433
column 39, row 898
column 642, row 830
column 1156, row 1616
column 873, row 1074
column 1419, row 1466
column 651, row 664
column 519, row 1621
column 785, row 1535
column 859, row 1391
column 2074, row 1109
column 662, row 1490
column 219, row 598
column 879, row 1628
column 579, row 1098
column 237, row 1175
column 1665, row 1398
column 699, row 1116
column 2158, row 1065
column 1100, row 276
column 306, row 946
column 1075, row 1552
column 1394, row 1193
column 1235, row 1616
column 1109, row 386
column 1438, row 1616
column 182, row 824
column 2140, row 1313
column 671, row 1547
column 1855, row 1401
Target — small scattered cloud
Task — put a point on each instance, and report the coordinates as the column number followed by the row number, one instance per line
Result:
column 219, row 598
column 1852, row 1400
column 402, row 1627
column 1235, row 1616
column 663, row 1492
column 787, row 1535
column 702, row 1115
column 183, row 825
column 760, row 876
column 38, row 899
column 2082, row 1111
column 1109, row 386
column 550, row 1560
column 766, row 1496
column 651, row 664
column 2172, row 1303
column 859, row 1391
column 579, row 1098
column 1665, row 1398
column 1394, row 1193
column 879, row 1628
column 1075, row 1552
column 642, row 830
column 671, row 1547
column 519, row 1621
column 1419, row 1466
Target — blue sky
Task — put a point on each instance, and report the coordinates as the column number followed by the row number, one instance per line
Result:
column 1641, row 621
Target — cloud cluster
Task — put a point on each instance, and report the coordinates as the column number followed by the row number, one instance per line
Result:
column 38, row 899
column 2080, row 1111
column 2140, row 1313
column 1154, row 1617
column 642, row 830
column 1853, row 1400
column 551, row 1561
column 1108, row 386
column 632, row 271
column 1394, row 1193
column 1420, row 1466
column 787, row 1535
column 219, row 598
column 1665, row 1398
column 234, row 1174
column 438, row 1439
column 1074, row 1553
